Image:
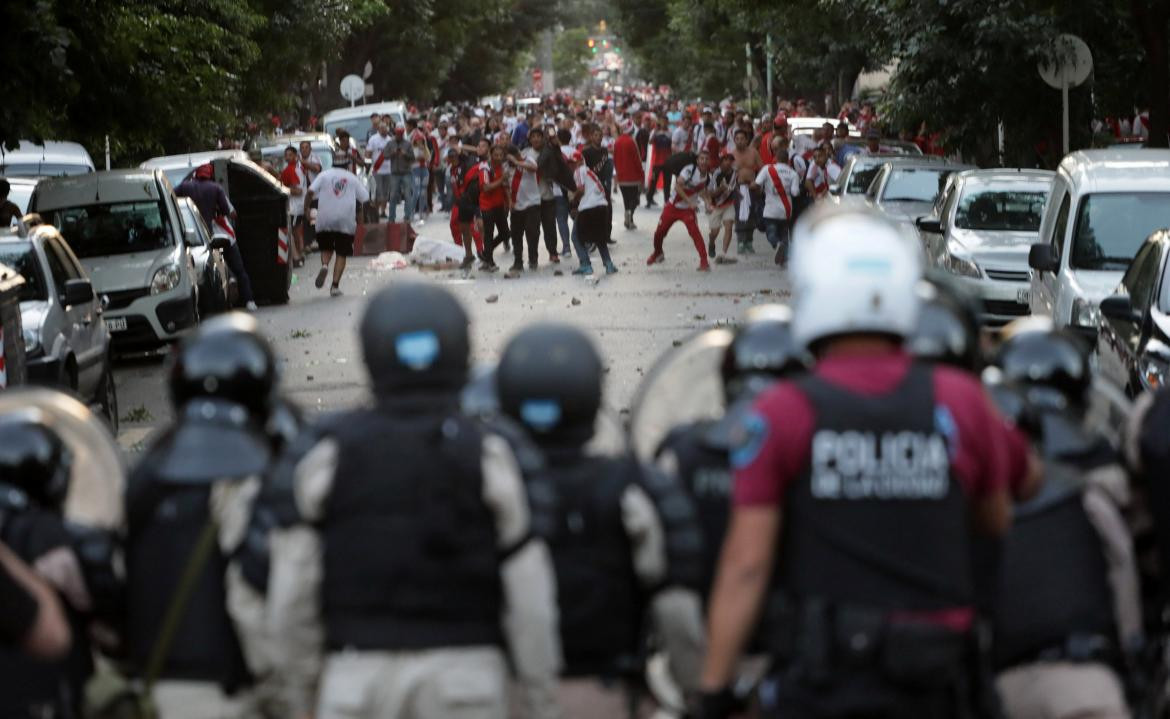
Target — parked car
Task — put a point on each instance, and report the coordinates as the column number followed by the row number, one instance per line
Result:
column 985, row 223
column 853, row 145
column 356, row 120
column 907, row 190
column 178, row 167
column 216, row 287
column 322, row 143
column 859, row 170
column 48, row 159
column 1103, row 205
column 66, row 344
column 1133, row 338
column 808, row 125
column 125, row 227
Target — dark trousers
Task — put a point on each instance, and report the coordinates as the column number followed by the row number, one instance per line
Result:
column 235, row 263
column 657, row 172
column 861, row 695
column 629, row 197
column 593, row 229
column 495, row 221
column 525, row 222
column 548, row 224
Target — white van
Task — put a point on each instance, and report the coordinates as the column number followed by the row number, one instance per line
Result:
column 124, row 227
column 48, row 159
column 1103, row 205
column 356, row 119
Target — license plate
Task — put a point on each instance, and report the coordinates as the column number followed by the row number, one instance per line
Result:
column 116, row 324
column 1024, row 297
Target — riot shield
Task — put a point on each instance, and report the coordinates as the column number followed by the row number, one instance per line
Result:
column 684, row 386
column 98, row 478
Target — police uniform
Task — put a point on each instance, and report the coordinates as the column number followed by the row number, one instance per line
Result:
column 623, row 538
column 413, row 573
column 201, row 477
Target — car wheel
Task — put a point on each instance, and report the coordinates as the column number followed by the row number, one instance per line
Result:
column 107, row 397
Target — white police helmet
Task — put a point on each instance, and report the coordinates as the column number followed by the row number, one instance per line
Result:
column 852, row 271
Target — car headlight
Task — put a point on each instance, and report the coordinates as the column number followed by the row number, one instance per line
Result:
column 1152, row 371
column 166, row 278
column 32, row 340
column 1085, row 314
column 956, row 264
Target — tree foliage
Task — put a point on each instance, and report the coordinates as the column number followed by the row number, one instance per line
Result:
column 570, row 57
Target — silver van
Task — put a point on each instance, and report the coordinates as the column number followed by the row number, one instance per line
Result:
column 125, row 227
column 1103, row 205
column 47, row 159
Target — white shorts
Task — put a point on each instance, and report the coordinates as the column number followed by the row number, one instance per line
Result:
column 718, row 215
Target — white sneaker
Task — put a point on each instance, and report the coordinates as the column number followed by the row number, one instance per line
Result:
column 335, row 292
column 251, row 307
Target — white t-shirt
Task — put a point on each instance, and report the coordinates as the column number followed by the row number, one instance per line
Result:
column 774, row 207
column 338, row 191
column 310, row 175
column 594, row 192
column 821, row 179
column 375, row 145
column 524, row 185
column 296, row 203
column 678, row 140
column 694, row 182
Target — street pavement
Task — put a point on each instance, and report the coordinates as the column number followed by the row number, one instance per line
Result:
column 634, row 316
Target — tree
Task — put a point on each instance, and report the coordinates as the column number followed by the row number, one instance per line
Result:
column 571, row 56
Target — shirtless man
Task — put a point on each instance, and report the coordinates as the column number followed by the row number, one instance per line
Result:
column 748, row 202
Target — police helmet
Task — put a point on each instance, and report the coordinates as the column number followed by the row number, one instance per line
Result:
column 35, row 460
column 1052, row 363
column 1011, row 399
column 762, row 351
column 948, row 326
column 226, row 359
column 549, row 379
column 415, row 338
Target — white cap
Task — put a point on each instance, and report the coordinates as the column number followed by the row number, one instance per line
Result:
column 852, row 271
column 478, row 112
column 451, row 132
column 444, row 118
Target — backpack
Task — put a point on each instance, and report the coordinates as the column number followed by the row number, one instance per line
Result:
column 677, row 162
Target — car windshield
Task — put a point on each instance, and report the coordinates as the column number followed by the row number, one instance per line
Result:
column 42, row 169
column 20, row 257
column 116, row 229
column 860, row 178
column 914, row 184
column 1111, row 227
column 357, row 127
column 1000, row 209
column 275, row 155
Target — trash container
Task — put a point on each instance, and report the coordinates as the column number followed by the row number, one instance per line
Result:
column 263, row 231
column 12, row 367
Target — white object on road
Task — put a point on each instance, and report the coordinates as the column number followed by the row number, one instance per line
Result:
column 429, row 251
column 390, row 261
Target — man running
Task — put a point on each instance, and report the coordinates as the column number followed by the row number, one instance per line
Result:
column 339, row 194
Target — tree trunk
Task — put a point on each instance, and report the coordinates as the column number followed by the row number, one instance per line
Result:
column 1151, row 17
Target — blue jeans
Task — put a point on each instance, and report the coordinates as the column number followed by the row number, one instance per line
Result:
column 777, row 232
column 403, row 184
column 441, row 189
column 563, row 222
column 235, row 263
column 421, row 177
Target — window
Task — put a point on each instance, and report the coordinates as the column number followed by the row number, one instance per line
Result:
column 54, row 248
column 875, row 184
column 860, row 178
column 1060, row 227
column 1000, row 210
column 914, row 184
column 21, row 257
column 57, row 270
column 1111, row 227
column 100, row 230
column 1141, row 276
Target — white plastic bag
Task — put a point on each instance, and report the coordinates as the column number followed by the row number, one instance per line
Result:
column 390, row 261
column 429, row 251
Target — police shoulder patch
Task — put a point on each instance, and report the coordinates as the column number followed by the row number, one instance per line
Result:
column 747, row 439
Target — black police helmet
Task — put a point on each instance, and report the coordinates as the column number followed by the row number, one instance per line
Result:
column 35, row 460
column 1054, row 361
column 948, row 326
column 762, row 352
column 415, row 338
column 1011, row 399
column 549, row 379
column 226, row 358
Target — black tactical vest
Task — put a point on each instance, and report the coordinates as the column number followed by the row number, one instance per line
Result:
column 1054, row 579
column 705, row 472
column 600, row 600
column 877, row 520
column 410, row 548
column 165, row 520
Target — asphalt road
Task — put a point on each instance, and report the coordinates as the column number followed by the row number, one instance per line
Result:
column 635, row 316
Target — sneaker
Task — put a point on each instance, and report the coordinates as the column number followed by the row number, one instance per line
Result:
column 532, row 265
column 467, row 264
column 251, row 306
column 555, row 259
column 583, row 270
column 704, row 267
column 651, row 205
column 611, row 269
column 517, row 267
column 335, row 292
column 567, row 251
column 711, row 248
column 656, row 259
column 486, row 267
column 611, row 241
column 515, row 271
column 725, row 260
column 321, row 275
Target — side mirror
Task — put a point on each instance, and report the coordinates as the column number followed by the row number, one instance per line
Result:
column 1120, row 308
column 929, row 224
column 78, row 292
column 220, row 243
column 1042, row 258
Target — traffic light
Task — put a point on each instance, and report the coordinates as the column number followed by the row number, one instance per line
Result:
column 605, row 43
column 589, row 42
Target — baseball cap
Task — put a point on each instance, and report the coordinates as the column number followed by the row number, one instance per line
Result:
column 203, row 172
column 781, row 119
column 399, row 130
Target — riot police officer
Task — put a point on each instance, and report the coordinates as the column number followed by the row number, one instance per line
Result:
column 1067, row 611
column 414, row 565
column 761, row 352
column 79, row 561
column 623, row 539
column 882, row 468
column 187, row 506
column 948, row 328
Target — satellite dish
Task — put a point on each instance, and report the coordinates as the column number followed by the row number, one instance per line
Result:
column 367, row 70
column 353, row 88
column 1068, row 64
